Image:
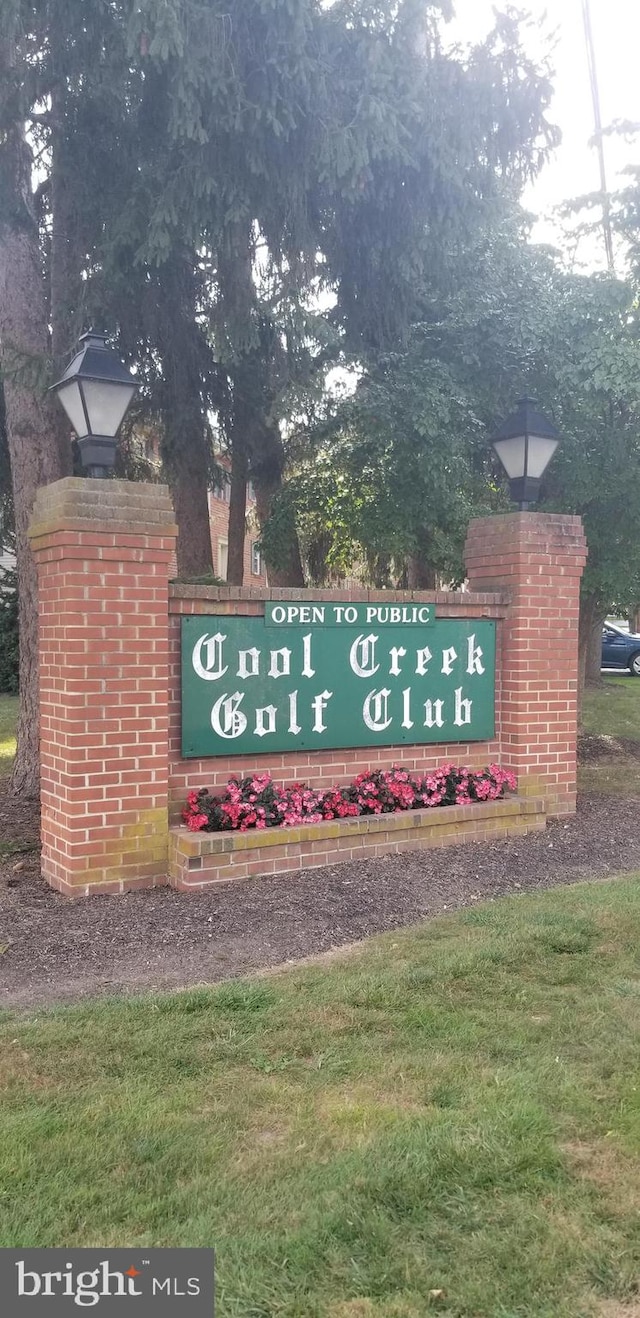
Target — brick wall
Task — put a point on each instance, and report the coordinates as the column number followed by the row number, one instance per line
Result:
column 197, row 860
column 538, row 559
column 103, row 550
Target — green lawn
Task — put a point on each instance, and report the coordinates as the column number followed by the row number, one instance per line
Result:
column 8, row 716
column 454, row 1108
column 613, row 710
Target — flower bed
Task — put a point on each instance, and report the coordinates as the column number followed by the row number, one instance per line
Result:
column 258, row 802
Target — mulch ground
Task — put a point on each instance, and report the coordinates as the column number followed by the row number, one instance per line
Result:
column 53, row 950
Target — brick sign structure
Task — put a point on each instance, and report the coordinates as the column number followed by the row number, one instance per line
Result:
column 116, row 642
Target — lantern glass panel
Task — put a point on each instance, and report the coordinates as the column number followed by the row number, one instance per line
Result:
column 107, row 402
column 541, row 451
column 69, row 395
column 511, row 454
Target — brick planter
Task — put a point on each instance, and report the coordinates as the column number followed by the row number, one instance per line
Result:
column 201, row 860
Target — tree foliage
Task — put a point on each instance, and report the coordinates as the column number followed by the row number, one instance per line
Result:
column 396, row 470
column 216, row 168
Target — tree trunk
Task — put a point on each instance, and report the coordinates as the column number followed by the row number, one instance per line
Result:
column 253, row 347
column 419, row 575
column 39, row 454
column 67, row 243
column 592, row 616
column 634, row 620
column 288, row 570
column 237, row 516
column 187, row 470
column 184, row 447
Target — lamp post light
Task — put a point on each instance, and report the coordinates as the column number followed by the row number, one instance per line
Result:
column 95, row 391
column 525, row 444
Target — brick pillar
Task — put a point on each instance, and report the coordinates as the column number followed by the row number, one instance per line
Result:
column 102, row 550
column 538, row 558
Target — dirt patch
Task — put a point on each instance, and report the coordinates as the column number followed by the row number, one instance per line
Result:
column 616, row 1309
column 54, row 950
column 593, row 748
column 614, row 1172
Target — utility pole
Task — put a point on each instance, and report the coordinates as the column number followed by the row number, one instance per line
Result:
column 599, row 141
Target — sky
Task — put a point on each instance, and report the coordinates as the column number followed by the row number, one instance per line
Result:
column 574, row 169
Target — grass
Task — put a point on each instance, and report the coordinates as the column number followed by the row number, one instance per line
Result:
column 446, row 1120
column 8, row 717
column 453, row 1108
column 612, row 710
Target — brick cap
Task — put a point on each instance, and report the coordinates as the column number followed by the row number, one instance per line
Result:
column 180, row 590
column 514, row 534
column 526, row 519
column 128, row 507
column 523, row 526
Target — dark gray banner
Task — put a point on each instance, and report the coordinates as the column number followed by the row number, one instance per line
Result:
column 148, row 1283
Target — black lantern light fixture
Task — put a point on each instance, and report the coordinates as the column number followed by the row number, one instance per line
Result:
column 95, row 391
column 525, row 444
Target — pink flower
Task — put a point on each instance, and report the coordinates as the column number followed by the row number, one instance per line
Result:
column 372, row 792
column 196, row 822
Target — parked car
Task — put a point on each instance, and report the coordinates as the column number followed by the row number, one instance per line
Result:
column 620, row 649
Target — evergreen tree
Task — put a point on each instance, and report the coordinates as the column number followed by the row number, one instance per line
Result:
column 206, row 175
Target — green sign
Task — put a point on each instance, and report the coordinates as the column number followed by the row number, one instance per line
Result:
column 287, row 683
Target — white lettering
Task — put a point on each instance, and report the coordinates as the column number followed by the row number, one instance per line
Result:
column 351, row 614
column 318, row 705
column 307, row 670
column 423, row 658
column 280, row 663
column 86, row 1293
column 227, row 718
column 123, row 1287
column 408, row 614
column 475, row 654
column 212, row 668
column 265, row 720
column 278, row 614
column 318, row 613
column 433, row 714
column 22, row 1278
column 48, row 1278
column 85, row 1288
column 294, row 726
column 362, row 656
column 448, row 660
column 249, row 663
column 396, row 653
column 375, row 710
column 407, row 721
column 463, row 710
